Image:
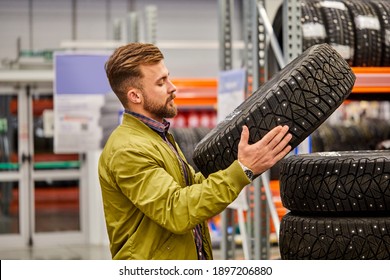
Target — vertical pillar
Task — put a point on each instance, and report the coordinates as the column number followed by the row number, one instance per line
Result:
column 255, row 62
column 225, row 34
column 226, row 63
column 292, row 46
column 151, row 24
column 132, row 27
column 292, row 32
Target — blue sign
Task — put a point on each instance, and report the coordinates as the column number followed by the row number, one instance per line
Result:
column 81, row 73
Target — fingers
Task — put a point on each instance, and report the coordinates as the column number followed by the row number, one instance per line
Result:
column 279, row 130
column 263, row 154
column 276, row 142
column 283, row 153
column 244, row 135
column 281, row 140
column 274, row 137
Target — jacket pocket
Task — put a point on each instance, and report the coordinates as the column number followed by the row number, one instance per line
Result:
column 165, row 251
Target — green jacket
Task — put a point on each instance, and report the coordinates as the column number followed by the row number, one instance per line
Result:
column 149, row 210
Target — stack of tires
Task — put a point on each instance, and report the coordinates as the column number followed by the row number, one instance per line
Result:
column 339, row 206
column 357, row 29
column 370, row 132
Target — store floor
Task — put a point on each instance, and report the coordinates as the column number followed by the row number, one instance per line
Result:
column 83, row 252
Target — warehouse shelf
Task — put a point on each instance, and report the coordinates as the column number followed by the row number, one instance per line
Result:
column 42, row 165
column 374, row 81
column 192, row 93
column 196, row 93
column 203, row 92
column 8, row 166
column 45, row 161
column 39, row 106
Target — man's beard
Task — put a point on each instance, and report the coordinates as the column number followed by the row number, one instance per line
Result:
column 160, row 111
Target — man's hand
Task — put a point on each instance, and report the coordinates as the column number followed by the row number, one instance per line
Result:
column 266, row 152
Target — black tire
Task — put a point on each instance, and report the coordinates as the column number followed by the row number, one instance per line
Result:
column 187, row 139
column 342, row 137
column 339, row 28
column 368, row 40
column 201, row 132
column 302, row 95
column 382, row 9
column 313, row 26
column 334, row 238
column 341, row 182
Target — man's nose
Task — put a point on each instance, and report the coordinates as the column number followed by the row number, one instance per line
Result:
column 171, row 86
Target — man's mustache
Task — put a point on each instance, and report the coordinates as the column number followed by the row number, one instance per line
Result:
column 173, row 96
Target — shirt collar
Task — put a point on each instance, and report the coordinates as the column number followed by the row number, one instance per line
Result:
column 161, row 128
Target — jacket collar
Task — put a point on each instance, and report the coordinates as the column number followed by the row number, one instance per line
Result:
column 160, row 128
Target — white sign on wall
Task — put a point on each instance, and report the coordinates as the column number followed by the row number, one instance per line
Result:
column 231, row 91
column 80, row 85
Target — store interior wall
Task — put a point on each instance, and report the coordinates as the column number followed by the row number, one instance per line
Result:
column 44, row 24
column 187, row 32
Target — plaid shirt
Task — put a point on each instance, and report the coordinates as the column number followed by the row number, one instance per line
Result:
column 162, row 129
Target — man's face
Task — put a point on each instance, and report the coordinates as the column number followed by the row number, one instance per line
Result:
column 158, row 92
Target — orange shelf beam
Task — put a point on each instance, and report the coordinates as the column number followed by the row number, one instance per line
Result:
column 375, row 80
column 200, row 92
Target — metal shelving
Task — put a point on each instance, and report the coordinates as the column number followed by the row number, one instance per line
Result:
column 371, row 83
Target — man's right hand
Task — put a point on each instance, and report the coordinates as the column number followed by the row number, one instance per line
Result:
column 266, row 152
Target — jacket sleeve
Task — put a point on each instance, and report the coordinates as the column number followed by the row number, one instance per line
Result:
column 151, row 187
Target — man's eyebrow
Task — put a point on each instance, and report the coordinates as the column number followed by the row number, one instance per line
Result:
column 163, row 77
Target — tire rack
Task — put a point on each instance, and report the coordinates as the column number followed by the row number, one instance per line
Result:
column 255, row 50
column 253, row 36
column 225, row 63
column 258, row 215
column 372, row 84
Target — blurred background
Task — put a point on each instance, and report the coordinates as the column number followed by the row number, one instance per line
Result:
column 51, row 133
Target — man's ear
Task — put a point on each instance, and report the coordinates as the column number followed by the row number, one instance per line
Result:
column 134, row 96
